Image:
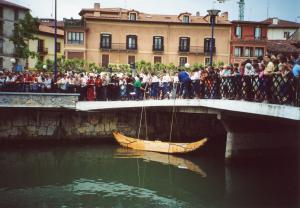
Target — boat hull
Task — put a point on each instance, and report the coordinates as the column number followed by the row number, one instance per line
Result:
column 157, row 146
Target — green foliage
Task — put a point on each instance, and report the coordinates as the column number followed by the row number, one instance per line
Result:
column 220, row 63
column 159, row 67
column 92, row 67
column 197, row 66
column 76, row 65
column 143, row 66
column 24, row 31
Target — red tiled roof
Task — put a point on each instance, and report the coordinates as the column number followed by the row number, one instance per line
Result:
column 283, row 46
column 13, row 5
column 249, row 22
column 60, row 24
column 50, row 30
column 121, row 15
column 282, row 23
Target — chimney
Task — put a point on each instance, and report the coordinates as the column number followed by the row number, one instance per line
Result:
column 275, row 21
column 198, row 14
column 224, row 15
column 96, row 5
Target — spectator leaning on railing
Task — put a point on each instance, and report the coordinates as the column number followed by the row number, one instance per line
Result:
column 270, row 79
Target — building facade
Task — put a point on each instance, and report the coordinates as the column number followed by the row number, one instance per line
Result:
column 248, row 40
column 281, row 29
column 10, row 13
column 119, row 36
column 44, row 45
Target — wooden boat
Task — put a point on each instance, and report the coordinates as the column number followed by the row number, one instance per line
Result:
column 176, row 161
column 157, row 146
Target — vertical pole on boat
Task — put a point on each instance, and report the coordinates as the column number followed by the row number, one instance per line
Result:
column 55, row 42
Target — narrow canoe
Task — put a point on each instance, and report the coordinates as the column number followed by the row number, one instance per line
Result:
column 157, row 146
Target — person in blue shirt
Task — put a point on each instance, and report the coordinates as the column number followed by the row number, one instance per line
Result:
column 185, row 80
column 296, row 69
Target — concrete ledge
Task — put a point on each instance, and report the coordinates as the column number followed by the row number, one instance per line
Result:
column 37, row 100
column 264, row 109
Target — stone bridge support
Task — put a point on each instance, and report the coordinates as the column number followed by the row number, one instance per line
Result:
column 250, row 136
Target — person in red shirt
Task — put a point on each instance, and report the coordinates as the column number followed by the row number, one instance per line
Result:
column 91, row 88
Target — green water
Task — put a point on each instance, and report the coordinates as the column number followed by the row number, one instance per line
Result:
column 108, row 176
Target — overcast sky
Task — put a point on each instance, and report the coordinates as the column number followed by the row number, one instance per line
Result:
column 254, row 9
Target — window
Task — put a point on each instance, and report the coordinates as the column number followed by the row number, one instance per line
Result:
column 40, row 45
column 238, row 51
column 58, row 47
column 16, row 15
column 131, row 61
column 259, row 52
column 132, row 16
column 286, row 35
column 105, row 41
column 207, row 61
column 1, row 27
column 105, row 60
column 184, row 44
column 207, row 42
column 75, row 38
column 158, row 43
column 257, row 33
column 1, row 12
column 157, row 59
column 1, row 62
column 182, row 61
column 1, row 45
column 248, row 52
column 186, row 19
column 238, row 31
column 131, row 43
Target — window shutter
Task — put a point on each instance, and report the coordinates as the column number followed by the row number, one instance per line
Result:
column 110, row 38
column 188, row 44
column 101, row 41
column 136, row 42
column 127, row 42
column 162, row 44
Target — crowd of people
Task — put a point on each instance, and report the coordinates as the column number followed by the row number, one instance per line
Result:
column 263, row 79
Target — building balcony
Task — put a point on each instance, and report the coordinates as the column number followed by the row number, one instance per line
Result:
column 158, row 48
column 42, row 50
column 249, row 39
column 73, row 23
column 197, row 50
column 119, row 47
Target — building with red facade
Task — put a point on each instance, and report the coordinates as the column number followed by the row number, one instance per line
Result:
column 248, row 40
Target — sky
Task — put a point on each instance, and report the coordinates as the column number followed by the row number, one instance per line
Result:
column 255, row 10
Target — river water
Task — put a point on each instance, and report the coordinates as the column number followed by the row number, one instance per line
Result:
column 110, row 176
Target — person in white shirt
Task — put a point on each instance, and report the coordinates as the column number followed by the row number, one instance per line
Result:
column 154, row 84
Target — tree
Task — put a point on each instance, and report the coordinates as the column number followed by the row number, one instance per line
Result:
column 24, row 31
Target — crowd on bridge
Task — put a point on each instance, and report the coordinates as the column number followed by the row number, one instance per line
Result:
column 272, row 79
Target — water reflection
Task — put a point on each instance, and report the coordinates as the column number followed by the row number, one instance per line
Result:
column 100, row 177
column 107, row 176
column 166, row 159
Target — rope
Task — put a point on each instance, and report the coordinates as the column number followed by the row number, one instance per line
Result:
column 172, row 121
column 146, row 126
column 173, row 113
column 141, row 117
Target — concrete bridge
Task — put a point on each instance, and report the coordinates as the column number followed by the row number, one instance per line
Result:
column 247, row 125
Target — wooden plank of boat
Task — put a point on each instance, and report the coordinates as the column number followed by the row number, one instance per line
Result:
column 157, row 146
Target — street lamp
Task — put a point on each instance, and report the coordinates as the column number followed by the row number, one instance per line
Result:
column 212, row 13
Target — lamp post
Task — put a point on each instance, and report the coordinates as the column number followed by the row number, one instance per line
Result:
column 55, row 45
column 212, row 13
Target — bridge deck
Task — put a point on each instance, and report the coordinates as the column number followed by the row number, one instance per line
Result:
column 265, row 109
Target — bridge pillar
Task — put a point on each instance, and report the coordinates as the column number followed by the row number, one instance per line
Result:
column 255, row 136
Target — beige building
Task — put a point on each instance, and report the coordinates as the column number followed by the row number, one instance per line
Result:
column 119, row 36
column 44, row 45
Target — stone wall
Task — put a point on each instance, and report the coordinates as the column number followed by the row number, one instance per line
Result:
column 70, row 124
